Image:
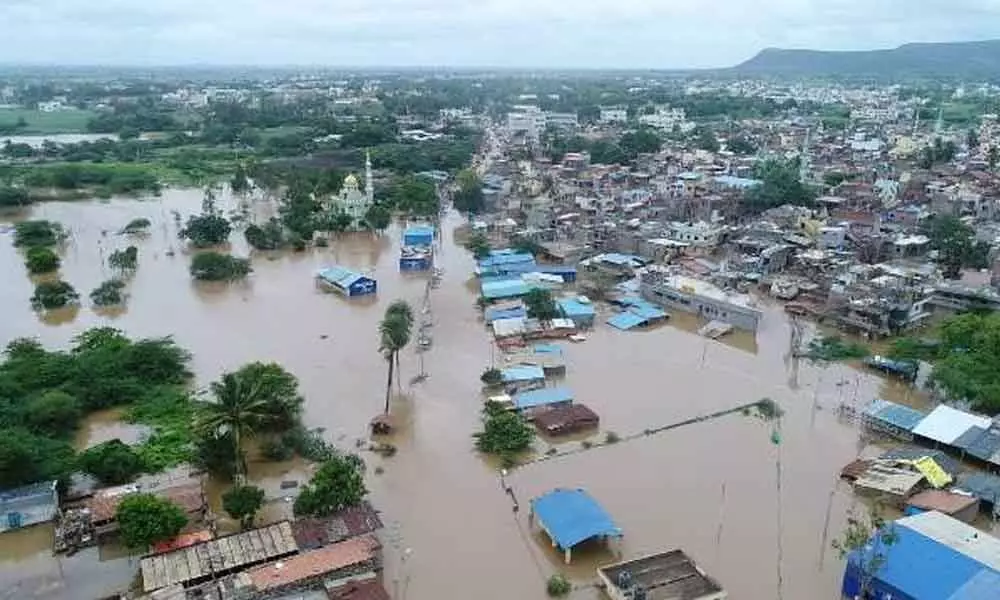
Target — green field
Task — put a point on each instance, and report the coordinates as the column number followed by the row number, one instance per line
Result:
column 64, row 121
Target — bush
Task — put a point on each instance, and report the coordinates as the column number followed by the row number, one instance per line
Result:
column 13, row 197
column 558, row 586
column 51, row 295
column 53, row 413
column 41, row 260
column 206, row 230
column 137, row 226
column 242, row 503
column 491, row 376
column 28, row 234
column 109, row 293
column 214, row 266
column 270, row 236
column 112, row 463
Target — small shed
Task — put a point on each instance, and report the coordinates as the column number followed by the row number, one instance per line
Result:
column 569, row 517
column 580, row 310
column 28, row 505
column 884, row 479
column 347, row 282
column 415, row 258
column 946, row 424
column 508, row 311
column 563, row 420
column 504, row 288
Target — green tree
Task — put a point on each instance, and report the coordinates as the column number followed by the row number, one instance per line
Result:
column 239, row 411
column 867, row 539
column 239, row 182
column 29, row 234
column 112, row 463
column 541, row 305
column 741, row 145
column 704, row 139
column 136, row 226
column 968, row 353
column 479, row 245
column 53, row 413
column 242, row 503
column 468, row 198
column 504, row 433
column 145, row 519
column 41, row 260
column 955, row 243
column 109, row 293
column 780, row 185
column 126, row 260
column 641, row 141
column 206, row 230
column 50, row 295
column 338, row 484
column 215, row 266
column 395, row 331
column 491, row 376
column 269, row 236
column 28, row 458
column 414, row 195
column 558, row 586
column 993, row 156
column 278, row 390
column 526, row 245
column 13, row 197
column 378, row 217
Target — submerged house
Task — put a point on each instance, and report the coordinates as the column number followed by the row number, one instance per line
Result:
column 346, row 282
column 417, row 250
column 570, row 517
column 28, row 505
column 669, row 575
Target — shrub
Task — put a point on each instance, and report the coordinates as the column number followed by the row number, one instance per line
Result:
column 558, row 586
column 53, row 294
column 41, row 260
column 214, row 266
column 112, row 463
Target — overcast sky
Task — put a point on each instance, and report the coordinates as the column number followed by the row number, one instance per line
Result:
column 504, row 33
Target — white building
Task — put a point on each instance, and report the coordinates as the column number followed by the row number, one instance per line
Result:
column 665, row 118
column 699, row 234
column 353, row 201
column 614, row 114
column 561, row 120
column 528, row 120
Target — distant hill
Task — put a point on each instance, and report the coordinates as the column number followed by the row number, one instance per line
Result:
column 958, row 59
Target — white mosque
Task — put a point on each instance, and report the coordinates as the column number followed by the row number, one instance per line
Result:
column 353, row 201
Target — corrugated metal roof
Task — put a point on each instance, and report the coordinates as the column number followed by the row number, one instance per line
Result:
column 510, row 288
column 983, row 586
column 951, row 466
column 542, row 397
column 894, row 414
column 985, row 446
column 571, row 307
column 339, row 276
column 522, row 373
column 956, row 535
column 982, row 486
column 945, row 424
column 572, row 516
column 626, row 320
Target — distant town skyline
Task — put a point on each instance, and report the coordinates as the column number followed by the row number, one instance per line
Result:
column 665, row 34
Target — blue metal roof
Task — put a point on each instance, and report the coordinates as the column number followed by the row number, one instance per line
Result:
column 983, row 586
column 547, row 349
column 922, row 568
column 505, row 257
column 495, row 314
column 339, row 276
column 522, row 373
column 626, row 320
column 982, row 486
column 542, row 397
column 510, row 288
column 420, row 229
column 572, row 516
column 571, row 307
column 894, row 414
column 647, row 311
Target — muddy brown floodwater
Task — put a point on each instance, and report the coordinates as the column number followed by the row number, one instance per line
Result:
column 721, row 490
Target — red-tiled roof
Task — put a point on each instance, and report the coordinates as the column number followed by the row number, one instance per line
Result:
column 350, row 522
column 314, row 563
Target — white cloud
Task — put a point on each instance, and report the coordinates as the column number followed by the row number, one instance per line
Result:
column 582, row 33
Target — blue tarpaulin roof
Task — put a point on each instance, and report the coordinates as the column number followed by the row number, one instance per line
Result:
column 572, row 516
column 924, row 568
column 522, row 373
column 543, row 397
column 626, row 320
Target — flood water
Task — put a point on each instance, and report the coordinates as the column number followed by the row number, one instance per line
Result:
column 721, row 490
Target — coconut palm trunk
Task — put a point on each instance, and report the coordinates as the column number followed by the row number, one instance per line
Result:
column 388, row 384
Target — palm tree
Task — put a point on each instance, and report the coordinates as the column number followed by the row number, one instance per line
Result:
column 394, row 333
column 401, row 309
column 239, row 410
